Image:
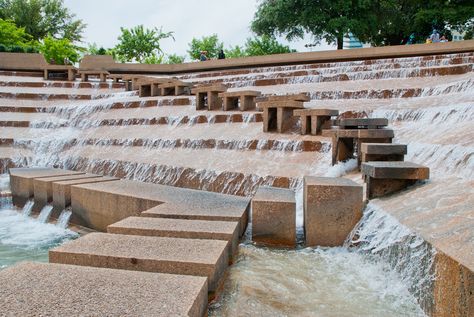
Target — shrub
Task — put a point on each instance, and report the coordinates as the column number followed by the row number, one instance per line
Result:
column 16, row 49
column 3, row 48
column 58, row 50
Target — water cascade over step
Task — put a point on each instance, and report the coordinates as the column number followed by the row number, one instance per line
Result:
column 44, row 214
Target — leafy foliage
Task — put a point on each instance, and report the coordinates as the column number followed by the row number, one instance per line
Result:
column 93, row 49
column 141, row 45
column 265, row 45
column 211, row 44
column 58, row 50
column 386, row 22
column 11, row 35
column 41, row 18
column 235, row 51
column 175, row 59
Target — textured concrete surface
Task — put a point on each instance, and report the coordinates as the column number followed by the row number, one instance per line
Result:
column 152, row 254
column 363, row 122
column 332, row 207
column 101, row 204
column 383, row 148
column 395, row 170
column 43, row 189
column 274, row 217
column 62, row 190
column 34, row 289
column 21, row 181
column 179, row 228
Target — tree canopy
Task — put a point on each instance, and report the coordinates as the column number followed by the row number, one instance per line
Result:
column 210, row 44
column 11, row 35
column 41, row 18
column 379, row 22
column 141, row 45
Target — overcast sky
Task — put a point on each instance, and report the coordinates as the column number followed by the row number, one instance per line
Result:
column 230, row 19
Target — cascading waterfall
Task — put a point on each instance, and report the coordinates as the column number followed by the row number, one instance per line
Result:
column 63, row 219
column 44, row 214
column 28, row 208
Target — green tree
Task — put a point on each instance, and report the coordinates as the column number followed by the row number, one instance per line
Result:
column 43, row 17
column 379, row 22
column 139, row 44
column 235, row 51
column 58, row 50
column 11, row 35
column 175, row 59
column 94, row 49
column 265, row 45
column 211, row 44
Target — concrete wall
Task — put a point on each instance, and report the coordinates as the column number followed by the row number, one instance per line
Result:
column 18, row 61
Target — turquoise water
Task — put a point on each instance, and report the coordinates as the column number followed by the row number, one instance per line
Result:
column 23, row 238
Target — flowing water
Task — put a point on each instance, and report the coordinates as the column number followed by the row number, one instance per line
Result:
column 23, row 238
column 384, row 269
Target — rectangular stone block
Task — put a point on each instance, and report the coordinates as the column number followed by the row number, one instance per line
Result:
column 151, row 254
column 43, row 189
column 383, row 152
column 62, row 190
column 98, row 205
column 21, row 181
column 395, row 170
column 40, row 289
column 332, row 207
column 274, row 217
column 179, row 228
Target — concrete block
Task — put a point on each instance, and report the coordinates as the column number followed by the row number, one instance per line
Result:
column 21, row 181
column 62, row 190
column 274, row 217
column 43, row 189
column 332, row 207
column 40, row 289
column 180, row 228
column 151, row 254
column 383, row 152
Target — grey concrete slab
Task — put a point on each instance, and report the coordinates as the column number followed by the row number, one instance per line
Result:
column 197, row 257
column 37, row 289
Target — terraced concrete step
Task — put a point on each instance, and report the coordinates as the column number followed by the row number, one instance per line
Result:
column 21, row 181
column 43, row 187
column 37, row 289
column 62, row 190
column 152, row 254
column 179, row 228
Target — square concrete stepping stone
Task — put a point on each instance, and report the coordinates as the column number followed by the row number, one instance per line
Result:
column 274, row 216
column 332, row 207
column 179, row 228
column 152, row 254
column 40, row 289
column 21, row 181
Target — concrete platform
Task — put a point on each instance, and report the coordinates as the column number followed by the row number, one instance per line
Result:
column 43, row 189
column 371, row 123
column 152, row 254
column 179, row 228
column 274, row 217
column 100, row 204
column 383, row 152
column 332, row 207
column 34, row 289
column 385, row 178
column 62, row 190
column 21, row 181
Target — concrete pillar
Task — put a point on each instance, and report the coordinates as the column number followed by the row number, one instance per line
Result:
column 274, row 217
column 213, row 101
column 332, row 207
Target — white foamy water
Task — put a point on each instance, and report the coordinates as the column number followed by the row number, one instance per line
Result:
column 24, row 238
column 312, row 282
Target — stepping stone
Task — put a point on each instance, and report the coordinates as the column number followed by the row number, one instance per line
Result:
column 363, row 123
column 98, row 205
column 314, row 120
column 21, row 181
column 389, row 177
column 332, row 207
column 62, row 190
column 383, row 152
column 43, row 189
column 274, row 217
column 152, row 254
column 40, row 289
column 179, row 228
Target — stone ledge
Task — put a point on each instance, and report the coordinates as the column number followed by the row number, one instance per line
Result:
column 34, row 289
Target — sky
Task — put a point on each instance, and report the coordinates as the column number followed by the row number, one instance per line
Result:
column 229, row 19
